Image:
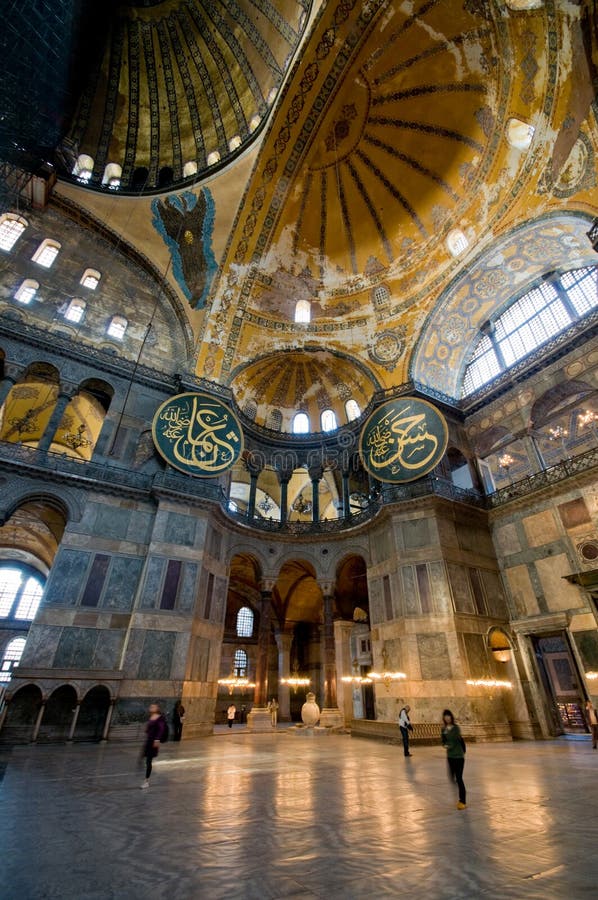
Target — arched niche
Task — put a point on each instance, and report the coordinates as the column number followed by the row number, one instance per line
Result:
column 21, row 715
column 29, row 405
column 58, row 714
column 92, row 714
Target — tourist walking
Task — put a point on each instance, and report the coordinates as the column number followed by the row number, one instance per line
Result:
column 405, row 727
column 273, row 708
column 178, row 717
column 592, row 720
column 230, row 714
column 455, row 753
column 155, row 730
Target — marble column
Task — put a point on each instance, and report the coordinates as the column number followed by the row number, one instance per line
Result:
column 534, row 454
column 62, row 401
column 346, row 494
column 11, row 376
column 259, row 717
column 315, row 474
column 344, row 664
column 283, row 643
column 76, row 712
column 38, row 721
column 331, row 716
column 254, row 468
column 284, row 476
column 107, row 722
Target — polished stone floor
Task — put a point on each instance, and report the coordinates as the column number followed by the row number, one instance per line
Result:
column 275, row 816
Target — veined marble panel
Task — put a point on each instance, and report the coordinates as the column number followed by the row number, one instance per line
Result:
column 156, row 656
column 434, row 658
column 119, row 592
column 67, row 577
column 150, row 593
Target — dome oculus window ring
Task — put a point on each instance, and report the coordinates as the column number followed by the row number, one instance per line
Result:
column 11, row 229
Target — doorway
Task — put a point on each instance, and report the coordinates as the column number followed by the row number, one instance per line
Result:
column 561, row 681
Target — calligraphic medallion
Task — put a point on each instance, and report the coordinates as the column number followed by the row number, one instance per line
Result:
column 197, row 434
column 403, row 440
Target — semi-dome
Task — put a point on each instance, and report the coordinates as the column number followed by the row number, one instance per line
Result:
column 274, row 389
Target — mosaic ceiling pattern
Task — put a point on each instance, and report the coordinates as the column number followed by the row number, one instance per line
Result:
column 182, row 80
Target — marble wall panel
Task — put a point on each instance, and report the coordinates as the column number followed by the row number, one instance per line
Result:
column 152, row 585
column 140, row 527
column 461, row 588
column 410, row 594
column 382, row 545
column 495, row 595
column 523, row 596
column 376, row 601
column 66, row 577
column 112, row 522
column 416, row 533
column 180, row 655
column 541, row 528
column 559, row 593
column 476, row 655
column 134, row 651
column 188, row 587
column 156, row 656
column 506, row 538
column 433, row 656
column 219, row 599
column 76, row 648
column 587, row 644
column 200, row 659
column 119, row 592
column 474, row 539
column 41, row 645
column 440, row 589
column 106, row 654
column 180, row 530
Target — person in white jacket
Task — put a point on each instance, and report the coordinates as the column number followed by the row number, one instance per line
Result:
column 405, row 726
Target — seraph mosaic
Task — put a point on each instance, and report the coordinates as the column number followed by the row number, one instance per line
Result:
column 186, row 224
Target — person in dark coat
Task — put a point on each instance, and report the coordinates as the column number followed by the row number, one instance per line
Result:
column 455, row 753
column 154, row 732
column 178, row 717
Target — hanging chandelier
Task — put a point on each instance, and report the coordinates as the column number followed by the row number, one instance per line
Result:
column 357, row 679
column 302, row 506
column 75, row 440
column 386, row 678
column 489, row 683
column 234, row 682
column 591, row 676
column 266, row 504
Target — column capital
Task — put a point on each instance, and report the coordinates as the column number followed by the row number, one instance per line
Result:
column 315, row 471
column 254, row 463
column 266, row 587
column 327, row 588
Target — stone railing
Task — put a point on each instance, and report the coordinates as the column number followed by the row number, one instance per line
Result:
column 576, row 465
column 325, row 526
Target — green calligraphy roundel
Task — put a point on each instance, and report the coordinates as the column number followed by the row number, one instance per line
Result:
column 403, row 440
column 197, row 434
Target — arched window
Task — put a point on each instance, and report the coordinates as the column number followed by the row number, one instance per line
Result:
column 11, row 229
column 189, row 169
column 301, row 423
column 11, row 658
column 250, row 409
column 328, row 420
column 456, row 242
column 530, row 321
column 75, row 310
column 352, row 409
column 112, row 175
column 27, row 291
column 20, row 593
column 254, row 122
column 117, row 327
column 90, row 279
column 46, row 253
column 381, row 295
column 213, row 157
column 240, row 664
column 274, row 420
column 234, row 142
column 83, row 168
column 303, row 312
column 245, row 622
column 519, row 134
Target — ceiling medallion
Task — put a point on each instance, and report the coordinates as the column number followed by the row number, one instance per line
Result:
column 388, row 348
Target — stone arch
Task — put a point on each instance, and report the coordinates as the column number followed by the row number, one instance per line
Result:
column 58, row 714
column 557, row 398
column 92, row 714
column 65, row 500
column 487, row 285
column 21, row 715
column 351, row 586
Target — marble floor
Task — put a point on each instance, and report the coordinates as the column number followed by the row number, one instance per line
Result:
column 276, row 815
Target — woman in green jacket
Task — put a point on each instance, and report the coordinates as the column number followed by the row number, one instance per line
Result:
column 455, row 753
